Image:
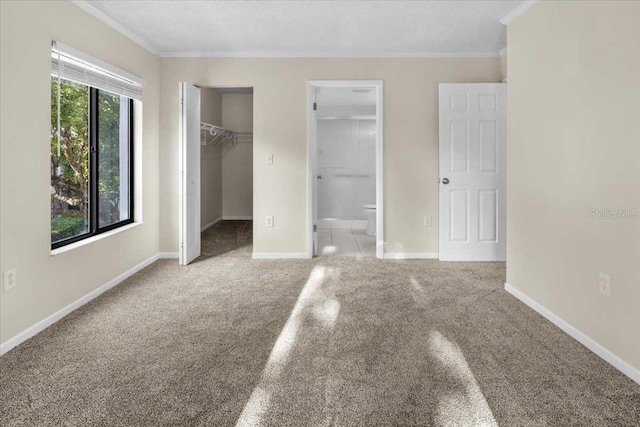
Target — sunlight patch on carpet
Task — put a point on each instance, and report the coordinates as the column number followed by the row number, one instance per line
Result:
column 464, row 404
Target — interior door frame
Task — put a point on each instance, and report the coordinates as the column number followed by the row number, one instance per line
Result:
column 312, row 85
column 182, row 220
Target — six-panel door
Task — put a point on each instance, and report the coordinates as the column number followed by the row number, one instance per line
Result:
column 473, row 161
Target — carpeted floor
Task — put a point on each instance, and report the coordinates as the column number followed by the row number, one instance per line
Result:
column 333, row 341
column 228, row 238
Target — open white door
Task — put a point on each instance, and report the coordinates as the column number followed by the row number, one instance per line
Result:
column 189, row 173
column 473, row 172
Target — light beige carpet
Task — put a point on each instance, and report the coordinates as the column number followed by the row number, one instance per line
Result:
column 332, row 341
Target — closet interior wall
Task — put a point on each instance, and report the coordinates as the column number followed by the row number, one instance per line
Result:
column 210, row 160
column 237, row 163
column 227, row 170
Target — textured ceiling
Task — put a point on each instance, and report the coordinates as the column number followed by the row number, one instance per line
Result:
column 312, row 28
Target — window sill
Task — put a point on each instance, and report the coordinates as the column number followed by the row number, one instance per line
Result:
column 90, row 240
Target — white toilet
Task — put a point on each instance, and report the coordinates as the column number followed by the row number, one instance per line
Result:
column 370, row 214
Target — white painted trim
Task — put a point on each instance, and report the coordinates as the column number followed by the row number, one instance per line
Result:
column 279, row 255
column 237, row 217
column 459, row 258
column 379, row 86
column 322, row 54
column 91, row 10
column 380, row 171
column 503, row 52
column 90, row 240
column 182, row 221
column 311, row 98
column 358, row 224
column 581, row 337
column 209, row 225
column 524, row 6
column 411, row 255
column 50, row 320
column 168, row 255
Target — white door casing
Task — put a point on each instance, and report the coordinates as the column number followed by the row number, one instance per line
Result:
column 313, row 144
column 189, row 125
column 312, row 160
column 473, row 172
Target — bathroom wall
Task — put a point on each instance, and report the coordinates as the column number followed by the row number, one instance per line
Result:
column 237, row 163
column 347, row 163
column 210, row 160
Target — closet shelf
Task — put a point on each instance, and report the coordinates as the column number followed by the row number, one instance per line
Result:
column 212, row 134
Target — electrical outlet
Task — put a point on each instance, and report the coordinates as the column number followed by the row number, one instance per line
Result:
column 428, row 221
column 269, row 159
column 268, row 221
column 9, row 279
column 605, row 284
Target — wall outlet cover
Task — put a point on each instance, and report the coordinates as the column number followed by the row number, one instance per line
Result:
column 605, row 284
column 9, row 280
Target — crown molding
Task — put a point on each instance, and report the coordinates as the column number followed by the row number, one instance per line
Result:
column 524, row 6
column 503, row 52
column 323, row 54
column 96, row 13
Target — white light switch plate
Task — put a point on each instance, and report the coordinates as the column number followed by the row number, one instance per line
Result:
column 268, row 221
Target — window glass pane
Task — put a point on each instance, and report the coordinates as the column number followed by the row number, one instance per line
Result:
column 69, row 160
column 113, row 158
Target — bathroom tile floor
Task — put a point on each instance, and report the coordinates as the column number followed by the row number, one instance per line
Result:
column 345, row 242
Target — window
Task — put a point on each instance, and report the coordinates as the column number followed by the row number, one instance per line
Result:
column 91, row 153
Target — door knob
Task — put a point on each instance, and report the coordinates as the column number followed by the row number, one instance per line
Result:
column 319, row 177
column 445, row 181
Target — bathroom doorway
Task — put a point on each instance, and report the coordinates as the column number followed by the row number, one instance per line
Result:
column 345, row 215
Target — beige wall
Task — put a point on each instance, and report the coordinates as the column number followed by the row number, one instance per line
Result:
column 574, row 146
column 210, row 159
column 503, row 64
column 280, row 92
column 48, row 283
column 237, row 163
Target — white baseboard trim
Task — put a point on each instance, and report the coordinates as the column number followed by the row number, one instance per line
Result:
column 358, row 224
column 411, row 255
column 237, row 218
column 168, row 255
column 279, row 255
column 211, row 224
column 50, row 320
column 581, row 337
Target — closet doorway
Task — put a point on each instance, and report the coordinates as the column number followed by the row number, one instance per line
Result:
column 217, row 178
